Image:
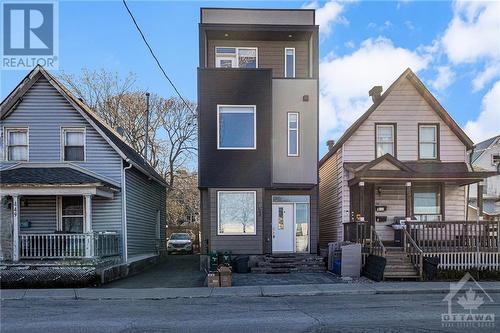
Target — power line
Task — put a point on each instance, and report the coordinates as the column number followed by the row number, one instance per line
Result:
column 154, row 56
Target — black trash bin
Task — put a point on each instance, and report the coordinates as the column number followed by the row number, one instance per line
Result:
column 431, row 267
column 240, row 264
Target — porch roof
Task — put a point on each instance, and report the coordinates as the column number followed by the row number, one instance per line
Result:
column 28, row 180
column 388, row 168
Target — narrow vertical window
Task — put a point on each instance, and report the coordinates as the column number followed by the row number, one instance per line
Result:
column 72, row 214
column 289, row 62
column 428, row 142
column 293, row 134
column 385, row 138
column 74, row 144
column 17, row 144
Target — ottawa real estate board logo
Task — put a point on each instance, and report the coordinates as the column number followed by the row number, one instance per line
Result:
column 29, row 34
column 464, row 305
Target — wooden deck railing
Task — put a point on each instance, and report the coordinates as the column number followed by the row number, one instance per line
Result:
column 68, row 246
column 455, row 236
column 366, row 235
column 415, row 253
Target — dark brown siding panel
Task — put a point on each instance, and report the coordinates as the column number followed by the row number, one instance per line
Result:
column 204, row 221
column 234, row 168
column 271, row 54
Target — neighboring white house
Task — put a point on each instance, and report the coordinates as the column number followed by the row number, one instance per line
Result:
column 486, row 156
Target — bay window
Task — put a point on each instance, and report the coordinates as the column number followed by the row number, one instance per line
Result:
column 428, row 141
column 385, row 139
column 236, row 57
column 236, row 213
column 427, row 202
column 73, row 144
column 236, row 127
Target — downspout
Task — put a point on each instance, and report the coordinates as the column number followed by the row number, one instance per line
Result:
column 124, row 210
column 468, row 187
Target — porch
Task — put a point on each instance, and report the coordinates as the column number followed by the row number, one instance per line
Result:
column 45, row 220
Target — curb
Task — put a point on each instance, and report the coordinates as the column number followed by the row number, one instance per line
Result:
column 243, row 291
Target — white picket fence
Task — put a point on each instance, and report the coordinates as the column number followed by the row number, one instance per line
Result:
column 467, row 260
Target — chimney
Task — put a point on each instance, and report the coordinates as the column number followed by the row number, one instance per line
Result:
column 375, row 93
column 330, row 144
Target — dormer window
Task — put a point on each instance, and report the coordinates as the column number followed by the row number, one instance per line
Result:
column 428, row 141
column 17, row 144
column 236, row 57
column 495, row 159
column 73, row 144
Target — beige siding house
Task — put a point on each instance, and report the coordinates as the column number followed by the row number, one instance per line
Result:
column 403, row 162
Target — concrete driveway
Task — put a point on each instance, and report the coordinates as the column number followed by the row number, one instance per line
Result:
column 175, row 271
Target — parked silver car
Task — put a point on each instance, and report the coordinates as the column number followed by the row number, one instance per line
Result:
column 180, row 242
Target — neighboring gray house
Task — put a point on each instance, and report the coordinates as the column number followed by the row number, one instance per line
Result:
column 70, row 187
column 486, row 156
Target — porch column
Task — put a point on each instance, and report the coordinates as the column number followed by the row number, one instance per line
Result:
column 362, row 200
column 480, row 187
column 15, row 227
column 408, row 204
column 89, row 239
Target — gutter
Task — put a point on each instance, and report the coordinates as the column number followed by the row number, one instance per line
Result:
column 124, row 209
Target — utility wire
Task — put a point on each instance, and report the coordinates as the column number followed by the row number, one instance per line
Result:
column 154, row 56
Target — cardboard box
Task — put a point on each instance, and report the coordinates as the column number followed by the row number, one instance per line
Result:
column 225, row 276
column 213, row 280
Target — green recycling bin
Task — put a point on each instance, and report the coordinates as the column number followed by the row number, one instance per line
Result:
column 214, row 261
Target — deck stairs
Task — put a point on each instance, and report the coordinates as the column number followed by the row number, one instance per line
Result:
column 398, row 265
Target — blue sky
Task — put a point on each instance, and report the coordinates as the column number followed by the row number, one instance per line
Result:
column 453, row 47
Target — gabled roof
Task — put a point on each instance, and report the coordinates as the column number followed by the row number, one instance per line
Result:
column 482, row 146
column 128, row 153
column 428, row 97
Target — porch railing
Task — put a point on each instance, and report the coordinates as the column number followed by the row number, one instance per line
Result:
column 68, row 246
column 366, row 235
column 455, row 236
column 414, row 252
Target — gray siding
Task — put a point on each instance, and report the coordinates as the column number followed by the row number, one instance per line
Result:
column 107, row 214
column 256, row 16
column 271, row 54
column 251, row 244
column 45, row 111
column 41, row 212
column 288, row 97
column 144, row 198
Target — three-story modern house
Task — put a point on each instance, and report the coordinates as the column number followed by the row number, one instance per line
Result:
column 396, row 181
column 72, row 190
column 258, row 130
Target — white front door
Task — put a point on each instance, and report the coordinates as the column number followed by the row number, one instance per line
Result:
column 283, row 227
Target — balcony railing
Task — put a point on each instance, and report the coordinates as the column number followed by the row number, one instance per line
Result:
column 68, row 246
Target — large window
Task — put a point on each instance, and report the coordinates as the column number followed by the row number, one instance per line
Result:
column 386, row 139
column 236, row 213
column 17, row 144
column 236, row 57
column 427, row 202
column 72, row 214
column 428, row 136
column 293, row 134
column 73, row 144
column 289, row 62
column 236, row 127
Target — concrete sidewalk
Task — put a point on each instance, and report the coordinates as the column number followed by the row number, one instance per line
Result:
column 245, row 291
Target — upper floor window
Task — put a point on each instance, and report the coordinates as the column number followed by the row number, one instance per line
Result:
column 236, row 57
column 293, row 134
column 17, row 144
column 289, row 62
column 386, row 139
column 73, row 144
column 495, row 159
column 428, row 137
column 236, row 128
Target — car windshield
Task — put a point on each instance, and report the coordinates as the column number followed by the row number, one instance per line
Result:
column 180, row 236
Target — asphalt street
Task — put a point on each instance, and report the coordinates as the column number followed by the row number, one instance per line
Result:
column 340, row 313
